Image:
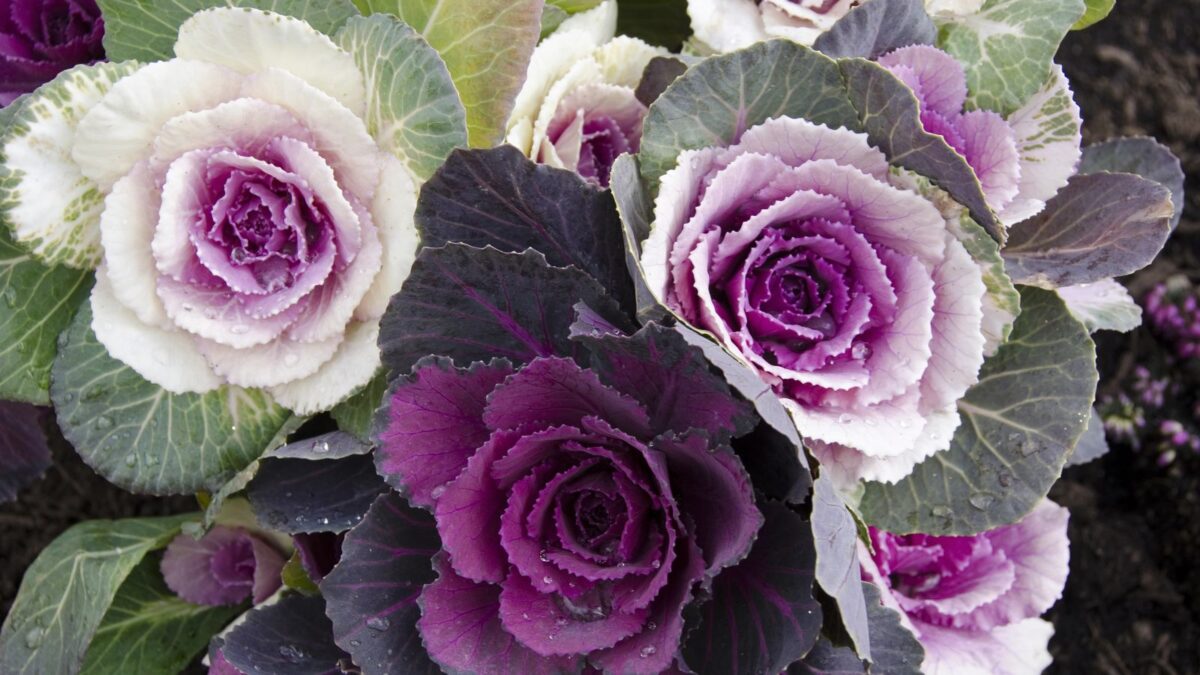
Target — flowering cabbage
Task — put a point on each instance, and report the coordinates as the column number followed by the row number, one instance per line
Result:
column 577, row 109
column 562, row 502
column 246, row 226
column 226, row 566
column 847, row 294
column 726, row 25
column 41, row 38
column 974, row 602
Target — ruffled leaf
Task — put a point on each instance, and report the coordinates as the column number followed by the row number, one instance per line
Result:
column 891, row 116
column 1019, row 425
column 289, row 636
column 473, row 304
column 762, row 615
column 486, row 45
column 146, row 29
column 1007, row 48
column 1143, row 157
column 500, row 198
column 414, row 110
column 148, row 629
column 671, row 379
column 1100, row 226
column 877, row 27
column 372, row 593
column 24, row 453
column 145, row 439
column 766, row 80
column 67, row 591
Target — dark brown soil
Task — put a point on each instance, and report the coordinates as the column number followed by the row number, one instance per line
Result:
column 1132, row 604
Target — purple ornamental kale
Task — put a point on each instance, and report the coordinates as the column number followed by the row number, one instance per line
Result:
column 974, row 602
column 41, row 38
column 574, row 528
column 226, row 566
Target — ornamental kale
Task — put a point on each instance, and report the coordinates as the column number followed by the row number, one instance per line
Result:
column 42, row 38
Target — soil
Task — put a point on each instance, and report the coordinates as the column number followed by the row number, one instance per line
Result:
column 1132, row 603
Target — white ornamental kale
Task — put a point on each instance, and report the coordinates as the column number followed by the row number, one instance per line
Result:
column 848, row 294
column 726, row 25
column 244, row 225
column 577, row 109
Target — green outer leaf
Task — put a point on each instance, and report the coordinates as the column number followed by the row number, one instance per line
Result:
column 149, row 630
column 217, row 507
column 1020, row 423
column 1007, row 48
column 413, row 110
column 1103, row 305
column 39, row 136
column 68, row 589
column 660, row 22
column 1097, row 11
column 1002, row 299
column 715, row 101
column 890, row 115
column 486, row 45
column 573, row 6
column 552, row 18
column 39, row 302
column 146, row 29
column 145, row 439
column 355, row 414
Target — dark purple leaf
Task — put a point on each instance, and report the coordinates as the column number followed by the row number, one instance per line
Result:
column 333, row 445
column 300, row 495
column 291, row 636
column 876, row 27
column 434, row 423
column 461, row 628
column 774, row 465
column 672, row 379
column 318, row 552
column 894, row 648
column 24, row 453
column 500, row 198
column 372, row 593
column 1143, row 157
column 475, row 304
column 838, row 571
column 660, row 72
column 890, row 114
column 762, row 615
column 1099, row 226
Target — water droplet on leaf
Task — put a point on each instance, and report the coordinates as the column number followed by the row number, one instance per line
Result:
column 34, row 637
column 648, row 651
column 981, row 500
column 844, row 418
column 292, row 653
column 104, row 422
column 378, row 623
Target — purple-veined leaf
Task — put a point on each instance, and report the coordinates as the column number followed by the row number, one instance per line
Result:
column 434, row 423
column 475, row 304
column 301, row 495
column 762, row 615
column 774, row 464
column 500, row 198
column 877, row 27
column 372, row 592
column 1099, row 226
column 1143, row 157
column 24, row 453
column 291, row 636
column 670, row 378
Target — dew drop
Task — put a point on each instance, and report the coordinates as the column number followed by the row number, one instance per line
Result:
column 547, row 580
column 292, row 653
column 656, row 564
column 844, row 418
column 1004, row 478
column 104, row 422
column 10, row 297
column 648, row 651
column 860, row 351
column 188, row 307
column 941, row 511
column 438, row 492
column 130, row 459
column 378, row 623
column 981, row 500
column 560, row 621
column 321, row 447
column 544, row 556
column 650, row 625
column 151, row 460
column 355, row 643
column 291, row 359
column 239, row 329
column 525, row 615
column 34, row 637
column 904, row 424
